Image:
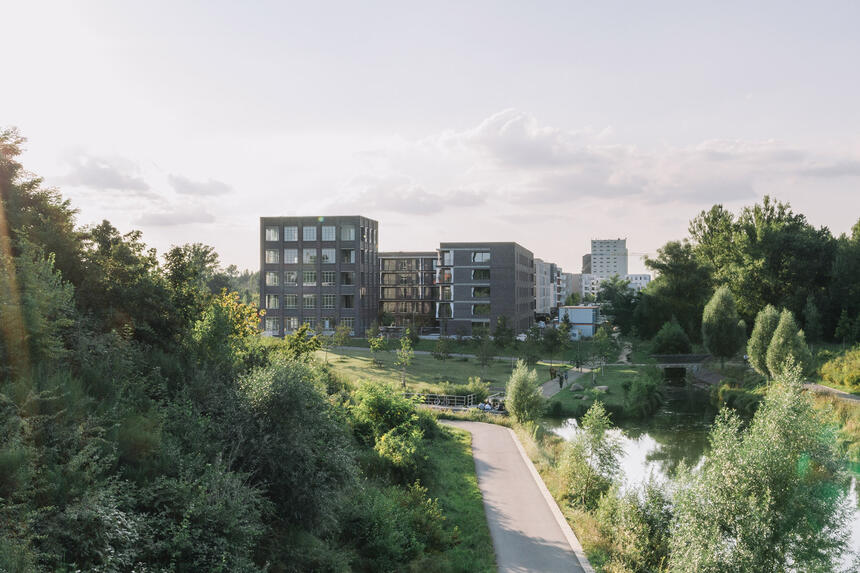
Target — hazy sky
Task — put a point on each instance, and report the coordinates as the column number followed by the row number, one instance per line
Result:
column 545, row 123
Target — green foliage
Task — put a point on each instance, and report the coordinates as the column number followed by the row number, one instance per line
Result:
column 812, row 320
column 483, row 347
column 552, row 342
column 765, row 324
column 377, row 344
column 722, row 330
column 619, row 300
column 846, row 329
column 442, row 348
column 787, row 347
column 301, row 345
column 671, row 339
column 523, row 398
column 404, row 356
column 531, row 347
column 768, row 498
column 341, row 335
column 644, row 395
column 504, row 335
column 572, row 299
column 221, row 335
column 843, row 370
column 590, row 461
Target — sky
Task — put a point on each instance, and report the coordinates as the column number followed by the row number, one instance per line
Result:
column 545, row 123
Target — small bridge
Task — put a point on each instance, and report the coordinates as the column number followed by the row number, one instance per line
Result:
column 690, row 362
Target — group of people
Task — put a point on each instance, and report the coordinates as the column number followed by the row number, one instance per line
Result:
column 488, row 406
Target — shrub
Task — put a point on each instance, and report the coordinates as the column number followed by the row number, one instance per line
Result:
column 843, row 370
column 671, row 339
column 523, row 398
column 644, row 394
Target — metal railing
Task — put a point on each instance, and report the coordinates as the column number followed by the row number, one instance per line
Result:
column 443, row 400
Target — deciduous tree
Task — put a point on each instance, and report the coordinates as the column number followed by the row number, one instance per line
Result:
column 765, row 324
column 722, row 330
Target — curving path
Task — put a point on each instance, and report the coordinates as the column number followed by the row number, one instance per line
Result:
column 528, row 530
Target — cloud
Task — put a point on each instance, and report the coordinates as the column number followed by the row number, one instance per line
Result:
column 186, row 186
column 849, row 168
column 174, row 218
column 105, row 174
column 399, row 194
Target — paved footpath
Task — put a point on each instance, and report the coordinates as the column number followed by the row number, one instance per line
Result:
column 528, row 530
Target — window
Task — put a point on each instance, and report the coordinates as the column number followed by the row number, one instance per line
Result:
column 291, row 233
column 291, row 278
column 445, row 293
column 480, row 274
column 480, row 256
column 272, row 300
column 327, row 322
column 447, row 258
column 309, row 233
column 347, row 278
column 309, row 278
column 309, row 301
column 348, row 321
column 347, row 233
column 328, row 300
column 272, row 325
column 347, row 255
column 327, row 256
column 480, row 292
column 347, row 301
column 309, row 256
column 291, row 256
column 271, row 233
column 271, row 279
column 290, row 301
column 328, row 233
column 271, row 255
column 445, row 310
column 291, row 323
column 329, row 278
column 310, row 322
column 480, row 310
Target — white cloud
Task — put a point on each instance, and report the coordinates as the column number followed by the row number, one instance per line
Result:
column 175, row 218
column 104, row 173
column 186, row 186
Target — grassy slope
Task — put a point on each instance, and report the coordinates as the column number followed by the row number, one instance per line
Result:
column 425, row 372
column 454, row 483
column 614, row 377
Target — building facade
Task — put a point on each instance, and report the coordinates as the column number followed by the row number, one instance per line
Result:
column 584, row 320
column 544, row 288
column 320, row 271
column 479, row 282
column 608, row 258
column 407, row 288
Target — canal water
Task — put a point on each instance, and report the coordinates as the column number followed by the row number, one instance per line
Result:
column 679, row 431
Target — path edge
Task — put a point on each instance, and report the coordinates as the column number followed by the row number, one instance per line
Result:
column 553, row 506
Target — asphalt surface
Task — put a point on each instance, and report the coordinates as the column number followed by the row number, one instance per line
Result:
column 527, row 534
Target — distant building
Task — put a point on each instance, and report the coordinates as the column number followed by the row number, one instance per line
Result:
column 608, row 258
column 479, row 282
column 584, row 320
column 320, row 271
column 586, row 264
column 569, row 283
column 638, row 282
column 408, row 292
column 545, row 290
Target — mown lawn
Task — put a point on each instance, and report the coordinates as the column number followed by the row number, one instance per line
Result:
column 452, row 480
column 425, row 373
column 611, row 376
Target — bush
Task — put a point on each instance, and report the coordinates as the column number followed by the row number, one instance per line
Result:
column 843, row 370
column 671, row 339
column 644, row 394
column 523, row 399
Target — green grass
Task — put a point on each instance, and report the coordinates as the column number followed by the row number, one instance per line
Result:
column 452, row 480
column 611, row 376
column 425, row 373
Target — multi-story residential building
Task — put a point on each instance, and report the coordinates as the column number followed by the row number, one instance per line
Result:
column 638, row 282
column 591, row 283
column 608, row 258
column 586, row 264
column 569, row 283
column 322, row 271
column 479, row 282
column 408, row 292
column 544, row 288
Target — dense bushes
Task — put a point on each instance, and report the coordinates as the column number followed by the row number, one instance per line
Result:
column 843, row 370
column 671, row 339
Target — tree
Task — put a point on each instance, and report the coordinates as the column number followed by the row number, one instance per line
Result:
column 722, row 331
column 530, row 348
column 620, row 302
column 483, row 346
column 765, row 324
column 404, row 356
column 377, row 344
column 787, row 347
column 811, row 320
column 552, row 342
column 522, row 394
column 844, row 328
column 504, row 336
column 671, row 339
column 768, row 498
column 572, row 299
column 590, row 461
column 341, row 335
column 442, row 349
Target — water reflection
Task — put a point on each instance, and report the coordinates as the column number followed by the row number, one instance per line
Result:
column 679, row 432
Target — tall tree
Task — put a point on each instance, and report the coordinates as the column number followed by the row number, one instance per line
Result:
column 768, row 498
column 404, row 356
column 671, row 339
column 522, row 392
column 766, row 322
column 722, row 330
column 619, row 302
column 811, row 320
column 787, row 347
column 552, row 342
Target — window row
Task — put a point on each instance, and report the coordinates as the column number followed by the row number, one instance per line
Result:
column 445, row 310
column 309, row 301
column 309, row 233
column 291, row 323
column 309, row 278
column 312, row 256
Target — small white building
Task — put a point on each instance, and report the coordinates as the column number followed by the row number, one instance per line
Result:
column 584, row 320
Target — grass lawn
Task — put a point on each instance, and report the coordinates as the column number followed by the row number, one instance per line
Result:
column 612, row 376
column 453, row 482
column 425, row 373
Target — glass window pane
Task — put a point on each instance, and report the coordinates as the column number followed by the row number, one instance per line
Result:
column 291, row 256
column 329, row 278
column 309, row 301
column 347, row 278
column 328, row 233
column 327, row 256
column 271, row 233
column 309, row 256
column 271, row 256
column 347, row 233
column 271, row 279
column 291, row 233
column 309, row 233
column 290, row 301
column 309, row 278
column 272, row 301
